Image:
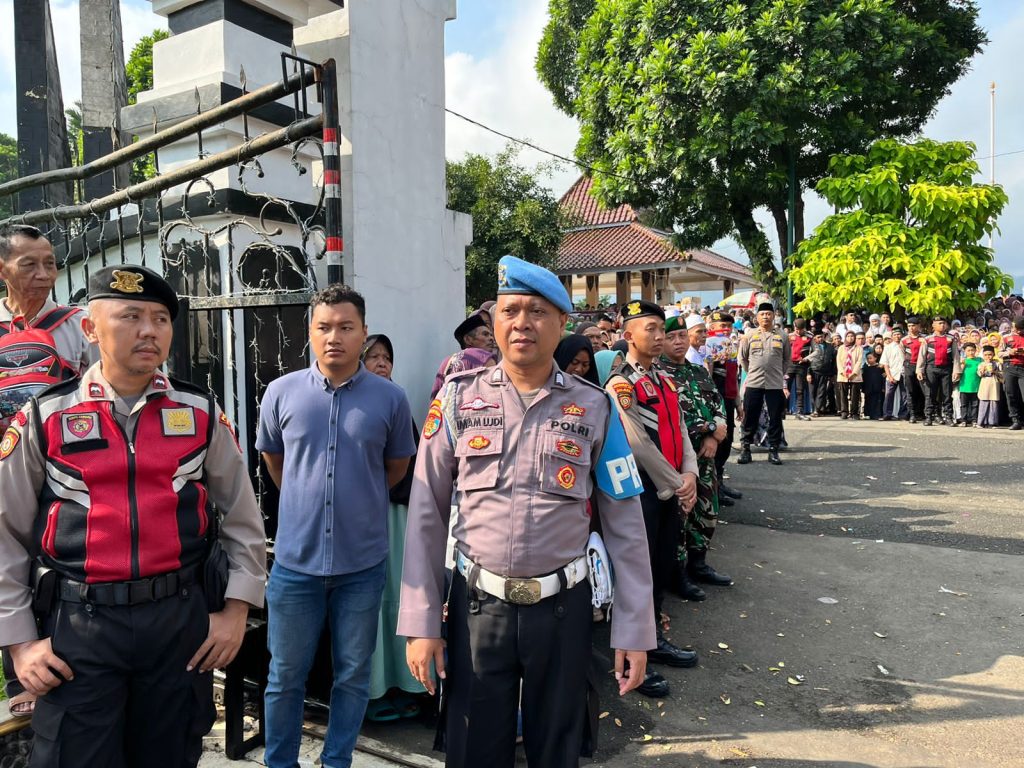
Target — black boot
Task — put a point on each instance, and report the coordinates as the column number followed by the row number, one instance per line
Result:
column 725, row 501
column 727, row 491
column 696, row 563
column 671, row 656
column 654, row 685
column 685, row 587
column 745, row 457
column 773, row 456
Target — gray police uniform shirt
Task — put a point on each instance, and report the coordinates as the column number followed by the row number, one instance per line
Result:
column 764, row 355
column 524, row 475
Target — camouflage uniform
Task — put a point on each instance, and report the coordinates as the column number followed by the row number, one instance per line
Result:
column 703, row 411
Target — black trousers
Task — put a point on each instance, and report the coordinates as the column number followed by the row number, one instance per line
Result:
column 754, row 399
column 131, row 703
column 798, row 380
column 663, row 520
column 725, row 447
column 1013, row 383
column 849, row 398
column 969, row 407
column 498, row 652
column 915, row 392
column 12, row 685
column 938, row 395
column 824, row 391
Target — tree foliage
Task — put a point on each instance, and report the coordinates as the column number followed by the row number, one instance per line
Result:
column 512, row 213
column 8, row 171
column 693, row 108
column 138, row 69
column 908, row 233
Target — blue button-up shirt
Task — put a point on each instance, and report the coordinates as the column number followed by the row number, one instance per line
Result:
column 332, row 517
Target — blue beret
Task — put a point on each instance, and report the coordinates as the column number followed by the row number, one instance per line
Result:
column 518, row 276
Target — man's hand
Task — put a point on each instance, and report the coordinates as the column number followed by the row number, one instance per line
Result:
column 227, row 630
column 810, row 379
column 721, row 432
column 419, row 652
column 708, row 447
column 920, row 377
column 687, row 492
column 629, row 679
column 35, row 664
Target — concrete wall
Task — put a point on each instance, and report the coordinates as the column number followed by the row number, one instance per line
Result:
column 403, row 250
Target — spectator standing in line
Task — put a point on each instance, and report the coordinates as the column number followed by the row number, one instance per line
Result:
column 822, row 367
column 874, row 388
column 335, row 438
column 895, row 382
column 799, row 367
column 915, row 385
column 475, row 332
column 1013, row 373
column 991, row 375
column 969, row 384
column 938, row 364
column 850, row 323
column 850, row 364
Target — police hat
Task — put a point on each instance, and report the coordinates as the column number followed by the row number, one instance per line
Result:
column 765, row 306
column 518, row 276
column 476, row 320
column 939, row 319
column 635, row 309
column 720, row 316
column 133, row 283
column 913, row 320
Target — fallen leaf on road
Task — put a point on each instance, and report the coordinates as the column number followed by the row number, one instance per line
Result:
column 969, row 472
column 782, row 663
column 747, row 667
column 908, row 482
column 794, row 681
column 934, row 482
column 882, row 669
column 828, row 621
column 743, row 615
column 661, row 704
column 725, row 699
column 647, row 737
column 953, row 592
column 758, row 565
column 879, row 634
column 759, row 703
column 780, row 634
column 870, row 477
column 603, row 715
column 827, row 600
column 618, row 722
column 738, row 751
column 723, row 646
column 774, row 669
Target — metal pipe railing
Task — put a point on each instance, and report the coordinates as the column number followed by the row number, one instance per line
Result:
column 234, row 108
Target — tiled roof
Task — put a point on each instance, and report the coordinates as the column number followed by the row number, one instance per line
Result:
column 585, row 210
column 610, row 239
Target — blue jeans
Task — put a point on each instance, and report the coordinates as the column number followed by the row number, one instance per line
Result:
column 298, row 605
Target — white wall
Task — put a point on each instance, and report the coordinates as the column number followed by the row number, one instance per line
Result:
column 403, row 250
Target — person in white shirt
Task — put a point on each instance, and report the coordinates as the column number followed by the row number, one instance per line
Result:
column 850, row 324
column 892, row 363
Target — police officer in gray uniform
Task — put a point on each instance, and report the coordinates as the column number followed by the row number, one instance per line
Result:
column 526, row 445
column 764, row 355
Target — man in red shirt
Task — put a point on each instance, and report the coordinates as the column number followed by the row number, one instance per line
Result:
column 1013, row 373
column 938, row 365
column 911, row 344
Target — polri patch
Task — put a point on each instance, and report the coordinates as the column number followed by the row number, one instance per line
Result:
column 11, row 439
column 624, row 394
column 566, row 477
column 434, row 420
column 77, row 427
column 648, row 388
column 178, row 422
column 478, row 443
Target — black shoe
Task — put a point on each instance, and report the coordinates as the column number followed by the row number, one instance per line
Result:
column 728, row 491
column 1016, row 427
column 671, row 656
column 686, row 588
column 773, row 456
column 913, row 420
column 725, row 501
column 745, row 457
column 654, row 685
column 927, row 422
column 696, row 563
column 844, row 416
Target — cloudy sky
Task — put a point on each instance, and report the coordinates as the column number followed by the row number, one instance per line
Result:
column 490, row 77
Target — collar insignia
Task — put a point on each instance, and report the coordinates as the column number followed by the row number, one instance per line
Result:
column 96, row 391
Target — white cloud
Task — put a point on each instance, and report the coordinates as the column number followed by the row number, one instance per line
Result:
column 502, row 90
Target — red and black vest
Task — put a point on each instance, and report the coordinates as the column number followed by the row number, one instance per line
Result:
column 797, row 342
column 911, row 348
column 938, row 350
column 116, row 507
column 1014, row 343
column 658, row 400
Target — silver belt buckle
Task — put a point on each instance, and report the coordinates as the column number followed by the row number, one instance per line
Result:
column 522, row 591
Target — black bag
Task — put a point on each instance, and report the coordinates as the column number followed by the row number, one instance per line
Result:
column 215, row 567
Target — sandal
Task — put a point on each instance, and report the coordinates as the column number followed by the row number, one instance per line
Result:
column 406, row 705
column 22, row 705
column 381, row 711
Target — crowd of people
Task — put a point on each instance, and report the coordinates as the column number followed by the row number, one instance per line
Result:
column 467, row 559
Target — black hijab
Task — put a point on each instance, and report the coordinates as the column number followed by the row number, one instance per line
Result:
column 571, row 346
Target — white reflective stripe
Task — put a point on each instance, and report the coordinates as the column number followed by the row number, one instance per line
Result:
column 65, row 494
column 64, row 479
column 193, row 470
column 50, row 406
column 187, row 398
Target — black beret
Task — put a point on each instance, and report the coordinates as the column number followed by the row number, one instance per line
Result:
column 913, row 320
column 476, row 320
column 720, row 316
column 765, row 306
column 134, row 283
column 635, row 309
column 939, row 319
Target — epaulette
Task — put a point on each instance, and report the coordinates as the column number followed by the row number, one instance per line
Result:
column 581, row 380
column 187, row 386
column 60, row 388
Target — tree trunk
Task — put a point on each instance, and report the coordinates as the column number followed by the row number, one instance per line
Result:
column 755, row 243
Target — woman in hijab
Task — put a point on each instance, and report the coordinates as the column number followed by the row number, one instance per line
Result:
column 463, row 360
column 575, row 354
column 388, row 670
column 607, row 360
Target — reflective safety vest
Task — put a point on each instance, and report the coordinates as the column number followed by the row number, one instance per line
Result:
column 938, row 350
column 659, row 410
column 911, row 348
column 118, row 507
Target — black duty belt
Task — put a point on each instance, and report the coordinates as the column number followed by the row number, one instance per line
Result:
column 127, row 592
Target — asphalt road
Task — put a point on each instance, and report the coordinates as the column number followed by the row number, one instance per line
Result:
column 915, row 657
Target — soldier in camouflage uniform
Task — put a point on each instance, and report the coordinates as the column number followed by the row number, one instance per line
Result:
column 704, row 414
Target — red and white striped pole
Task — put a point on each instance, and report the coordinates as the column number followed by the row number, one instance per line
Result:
column 332, row 174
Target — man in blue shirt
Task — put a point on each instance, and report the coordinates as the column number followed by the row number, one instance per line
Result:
column 335, row 438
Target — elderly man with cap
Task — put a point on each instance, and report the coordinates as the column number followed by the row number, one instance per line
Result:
column 648, row 401
column 764, row 353
column 526, row 446
column 475, row 331
column 938, row 366
column 705, row 427
column 106, row 526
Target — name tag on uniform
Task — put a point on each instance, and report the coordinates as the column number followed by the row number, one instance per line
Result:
column 178, row 422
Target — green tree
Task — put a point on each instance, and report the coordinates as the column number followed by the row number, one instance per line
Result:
column 908, row 233
column 139, row 77
column 694, row 109
column 512, row 213
column 8, row 171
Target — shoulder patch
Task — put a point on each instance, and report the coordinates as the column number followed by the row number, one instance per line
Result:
column 10, row 441
column 226, row 422
column 624, row 394
column 434, row 420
